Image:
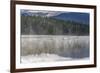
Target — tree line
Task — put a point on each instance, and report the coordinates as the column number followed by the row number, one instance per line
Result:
column 39, row 25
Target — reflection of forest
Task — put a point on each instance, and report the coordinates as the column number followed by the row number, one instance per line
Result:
column 49, row 26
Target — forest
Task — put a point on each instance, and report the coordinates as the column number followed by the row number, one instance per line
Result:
column 39, row 25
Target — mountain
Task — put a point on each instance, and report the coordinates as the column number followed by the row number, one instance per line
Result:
column 33, row 14
column 73, row 16
column 40, row 13
column 66, row 16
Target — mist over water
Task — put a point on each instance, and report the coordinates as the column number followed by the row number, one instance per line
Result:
column 65, row 46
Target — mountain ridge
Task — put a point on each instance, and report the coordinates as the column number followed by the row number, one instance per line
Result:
column 66, row 16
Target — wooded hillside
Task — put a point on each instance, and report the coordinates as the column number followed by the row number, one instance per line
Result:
column 37, row 25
